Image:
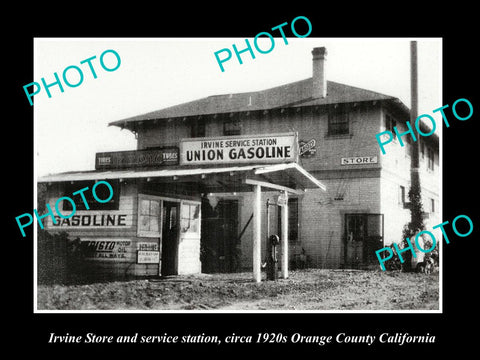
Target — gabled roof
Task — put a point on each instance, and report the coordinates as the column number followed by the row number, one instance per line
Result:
column 294, row 94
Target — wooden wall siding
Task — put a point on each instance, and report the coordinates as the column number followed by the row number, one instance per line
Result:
column 189, row 248
column 105, row 268
column 121, row 269
column 127, row 206
column 189, row 256
column 116, row 267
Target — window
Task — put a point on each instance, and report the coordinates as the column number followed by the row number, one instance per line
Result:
column 338, row 121
column 355, row 227
column 390, row 123
column 431, row 158
column 401, row 195
column 102, row 191
column 292, row 220
column 232, row 127
column 171, row 222
column 432, row 205
column 149, row 216
column 190, row 218
column 197, row 128
column 364, row 235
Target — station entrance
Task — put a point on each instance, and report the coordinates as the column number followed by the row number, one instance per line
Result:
column 363, row 236
column 219, row 241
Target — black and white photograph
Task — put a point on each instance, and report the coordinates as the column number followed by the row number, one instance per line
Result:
column 215, row 182
column 238, row 180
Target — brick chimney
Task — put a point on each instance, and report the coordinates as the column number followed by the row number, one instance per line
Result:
column 319, row 77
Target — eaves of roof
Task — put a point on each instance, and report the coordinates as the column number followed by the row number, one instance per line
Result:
column 295, row 94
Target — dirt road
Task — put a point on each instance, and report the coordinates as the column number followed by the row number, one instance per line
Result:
column 312, row 289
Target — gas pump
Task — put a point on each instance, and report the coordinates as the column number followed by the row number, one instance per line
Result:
column 272, row 268
column 272, row 242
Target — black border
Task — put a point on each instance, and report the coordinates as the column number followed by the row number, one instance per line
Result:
column 30, row 331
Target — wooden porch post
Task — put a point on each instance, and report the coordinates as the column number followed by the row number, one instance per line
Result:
column 285, row 237
column 257, row 233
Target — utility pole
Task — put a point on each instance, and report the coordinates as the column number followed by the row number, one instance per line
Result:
column 415, row 198
column 414, row 110
column 414, row 194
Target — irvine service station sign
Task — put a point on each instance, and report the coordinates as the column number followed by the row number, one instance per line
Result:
column 239, row 149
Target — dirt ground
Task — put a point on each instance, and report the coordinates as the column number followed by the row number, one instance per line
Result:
column 311, row 289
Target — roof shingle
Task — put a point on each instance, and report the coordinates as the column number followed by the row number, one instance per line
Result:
column 294, row 94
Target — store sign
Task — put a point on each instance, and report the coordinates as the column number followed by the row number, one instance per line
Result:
column 307, row 148
column 148, row 257
column 107, row 249
column 92, row 219
column 239, row 149
column 359, row 160
column 136, row 158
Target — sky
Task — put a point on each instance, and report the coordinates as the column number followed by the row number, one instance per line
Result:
column 155, row 73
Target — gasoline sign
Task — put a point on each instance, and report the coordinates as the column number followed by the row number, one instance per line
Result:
column 239, row 149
